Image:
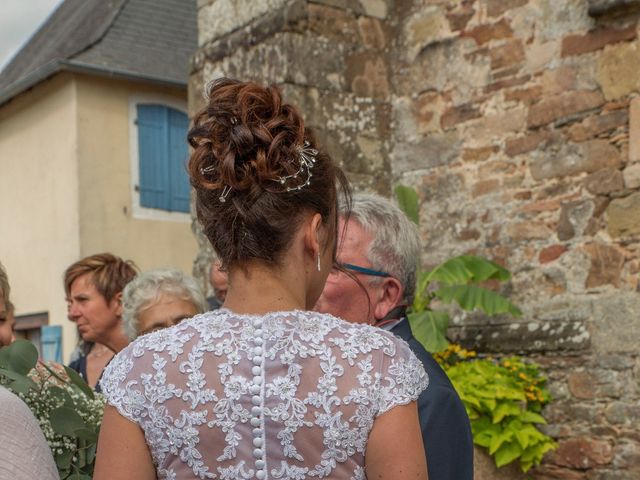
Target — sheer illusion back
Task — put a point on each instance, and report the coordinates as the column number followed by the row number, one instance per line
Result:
column 287, row 395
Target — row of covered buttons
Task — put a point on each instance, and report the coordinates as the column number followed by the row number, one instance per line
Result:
column 256, row 400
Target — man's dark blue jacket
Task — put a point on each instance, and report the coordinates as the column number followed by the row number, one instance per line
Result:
column 446, row 431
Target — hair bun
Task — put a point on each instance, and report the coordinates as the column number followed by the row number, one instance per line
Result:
column 245, row 138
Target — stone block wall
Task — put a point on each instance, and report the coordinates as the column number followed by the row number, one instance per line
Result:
column 518, row 122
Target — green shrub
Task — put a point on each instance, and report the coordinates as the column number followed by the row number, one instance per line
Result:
column 504, row 400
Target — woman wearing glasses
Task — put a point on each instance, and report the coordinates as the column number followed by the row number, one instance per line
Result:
column 263, row 387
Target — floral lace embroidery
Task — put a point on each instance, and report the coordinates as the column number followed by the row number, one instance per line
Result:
column 208, row 391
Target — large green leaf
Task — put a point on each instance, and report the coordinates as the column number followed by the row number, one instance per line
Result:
column 62, row 396
column 63, row 460
column 79, row 382
column 91, row 453
column 18, row 383
column 471, row 297
column 430, row 329
column 408, row 202
column 507, row 453
column 532, row 417
column 467, row 269
column 66, row 421
column 498, row 440
column 21, row 356
column 87, row 435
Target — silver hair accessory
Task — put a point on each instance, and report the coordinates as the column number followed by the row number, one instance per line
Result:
column 225, row 193
column 307, row 161
column 206, row 170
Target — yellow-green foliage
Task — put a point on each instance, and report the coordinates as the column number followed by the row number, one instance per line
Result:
column 504, row 400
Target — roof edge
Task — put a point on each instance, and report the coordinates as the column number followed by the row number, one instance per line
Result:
column 57, row 66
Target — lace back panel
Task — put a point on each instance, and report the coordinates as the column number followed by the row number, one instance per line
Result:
column 288, row 395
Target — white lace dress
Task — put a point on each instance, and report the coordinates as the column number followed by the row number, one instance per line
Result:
column 288, row 395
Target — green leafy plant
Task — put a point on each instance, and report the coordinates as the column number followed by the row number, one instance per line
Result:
column 457, row 280
column 67, row 409
column 503, row 400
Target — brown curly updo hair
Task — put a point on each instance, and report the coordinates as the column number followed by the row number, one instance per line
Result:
column 246, row 168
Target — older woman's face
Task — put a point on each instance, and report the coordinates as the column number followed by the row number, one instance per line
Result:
column 165, row 312
column 6, row 325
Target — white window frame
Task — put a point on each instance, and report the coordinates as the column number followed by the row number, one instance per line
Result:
column 137, row 210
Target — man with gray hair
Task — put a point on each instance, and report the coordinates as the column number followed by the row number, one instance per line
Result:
column 380, row 247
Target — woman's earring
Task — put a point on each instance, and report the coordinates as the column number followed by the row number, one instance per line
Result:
column 318, row 261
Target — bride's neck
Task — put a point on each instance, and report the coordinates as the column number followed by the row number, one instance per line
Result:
column 259, row 288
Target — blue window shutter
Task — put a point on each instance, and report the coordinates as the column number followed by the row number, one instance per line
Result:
column 153, row 154
column 51, row 341
column 178, row 154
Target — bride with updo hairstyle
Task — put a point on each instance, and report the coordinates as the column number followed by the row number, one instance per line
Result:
column 263, row 387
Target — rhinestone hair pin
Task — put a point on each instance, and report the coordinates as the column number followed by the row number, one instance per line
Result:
column 307, row 157
column 225, row 193
column 206, row 170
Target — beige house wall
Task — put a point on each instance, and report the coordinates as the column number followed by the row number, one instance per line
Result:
column 67, row 177
column 107, row 218
column 39, row 198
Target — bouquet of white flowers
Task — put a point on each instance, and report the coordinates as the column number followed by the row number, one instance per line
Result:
column 68, row 410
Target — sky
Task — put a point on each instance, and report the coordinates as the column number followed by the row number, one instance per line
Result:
column 18, row 21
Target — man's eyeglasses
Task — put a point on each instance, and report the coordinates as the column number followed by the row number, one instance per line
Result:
column 364, row 270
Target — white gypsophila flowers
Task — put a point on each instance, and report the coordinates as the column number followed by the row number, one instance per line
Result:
column 53, row 393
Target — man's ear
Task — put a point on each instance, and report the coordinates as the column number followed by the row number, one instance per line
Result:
column 388, row 296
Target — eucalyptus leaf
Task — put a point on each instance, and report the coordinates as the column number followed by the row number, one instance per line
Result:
column 87, row 435
column 4, row 357
column 21, row 385
column 62, row 396
column 430, row 329
column 63, row 460
column 408, row 202
column 82, row 456
column 23, row 356
column 91, row 453
column 66, row 421
column 78, row 476
column 11, row 375
column 79, row 382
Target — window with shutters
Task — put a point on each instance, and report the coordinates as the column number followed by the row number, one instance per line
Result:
column 160, row 184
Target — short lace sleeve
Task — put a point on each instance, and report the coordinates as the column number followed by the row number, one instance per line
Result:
column 123, row 382
column 404, row 378
column 121, row 386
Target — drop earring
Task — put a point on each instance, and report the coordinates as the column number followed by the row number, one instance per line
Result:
column 318, row 261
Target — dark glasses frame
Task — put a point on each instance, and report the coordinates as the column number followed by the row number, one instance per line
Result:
column 363, row 270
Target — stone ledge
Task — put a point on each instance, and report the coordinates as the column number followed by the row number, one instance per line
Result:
column 523, row 337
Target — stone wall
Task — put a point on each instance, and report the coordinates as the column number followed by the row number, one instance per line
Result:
column 518, row 121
